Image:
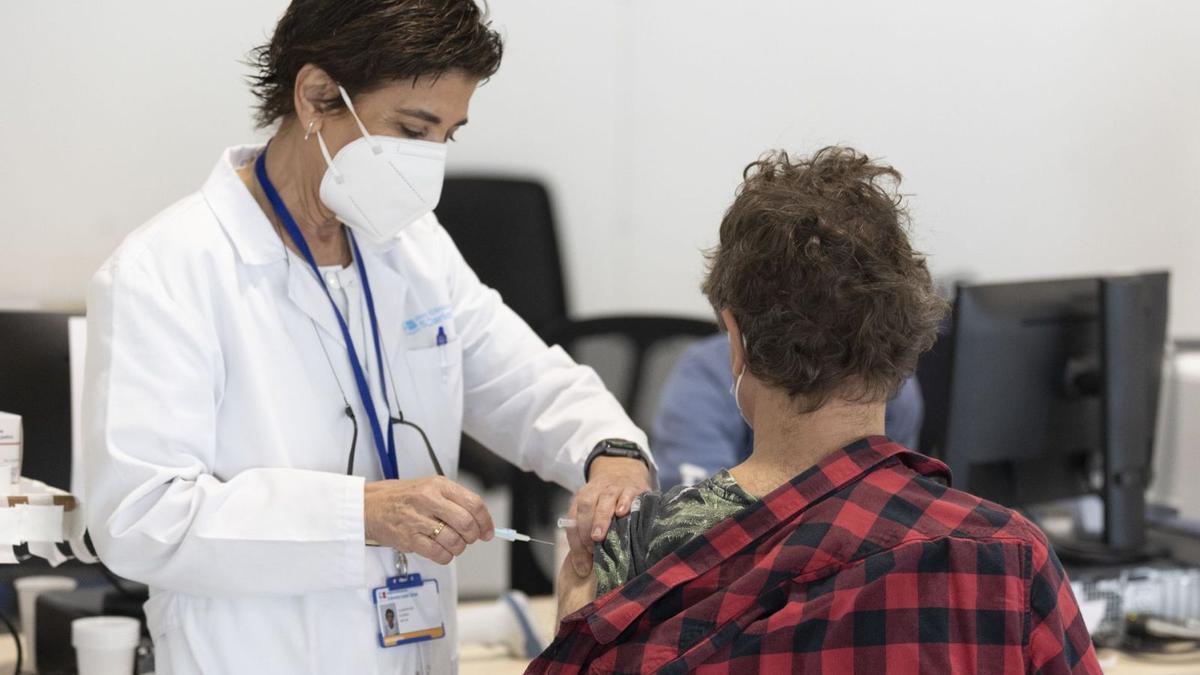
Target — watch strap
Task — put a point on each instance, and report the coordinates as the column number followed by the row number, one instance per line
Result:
column 617, row 447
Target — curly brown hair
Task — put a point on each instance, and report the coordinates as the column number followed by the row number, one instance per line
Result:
column 815, row 264
column 365, row 44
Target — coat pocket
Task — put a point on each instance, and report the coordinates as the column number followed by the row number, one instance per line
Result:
column 437, row 386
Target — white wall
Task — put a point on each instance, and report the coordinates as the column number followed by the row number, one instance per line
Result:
column 1037, row 138
column 110, row 111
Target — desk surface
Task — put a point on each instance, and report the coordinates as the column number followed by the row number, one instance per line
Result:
column 478, row 660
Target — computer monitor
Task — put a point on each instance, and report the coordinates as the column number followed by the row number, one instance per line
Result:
column 35, row 383
column 1054, row 393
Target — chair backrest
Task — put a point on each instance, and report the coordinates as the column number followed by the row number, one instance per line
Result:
column 632, row 354
column 505, row 229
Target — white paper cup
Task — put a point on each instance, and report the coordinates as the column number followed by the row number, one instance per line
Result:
column 28, row 590
column 105, row 645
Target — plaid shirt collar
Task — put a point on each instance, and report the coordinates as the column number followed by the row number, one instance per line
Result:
column 609, row 616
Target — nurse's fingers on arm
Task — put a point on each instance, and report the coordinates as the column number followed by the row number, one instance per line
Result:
column 606, row 504
column 473, row 504
column 457, row 519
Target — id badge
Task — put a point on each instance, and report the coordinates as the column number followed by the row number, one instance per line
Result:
column 408, row 609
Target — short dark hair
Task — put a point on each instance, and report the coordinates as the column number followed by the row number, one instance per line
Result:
column 365, row 44
column 815, row 264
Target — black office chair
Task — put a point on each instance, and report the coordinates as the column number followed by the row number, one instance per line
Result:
column 505, row 230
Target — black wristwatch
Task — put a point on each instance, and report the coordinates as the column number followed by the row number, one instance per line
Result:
column 616, row 447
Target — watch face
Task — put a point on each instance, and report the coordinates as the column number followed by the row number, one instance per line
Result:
column 623, row 445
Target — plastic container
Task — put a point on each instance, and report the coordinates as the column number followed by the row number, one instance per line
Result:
column 28, row 590
column 105, row 645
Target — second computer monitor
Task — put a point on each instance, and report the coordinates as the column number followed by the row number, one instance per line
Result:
column 1043, row 379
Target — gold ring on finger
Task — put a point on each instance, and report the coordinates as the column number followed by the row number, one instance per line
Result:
column 438, row 530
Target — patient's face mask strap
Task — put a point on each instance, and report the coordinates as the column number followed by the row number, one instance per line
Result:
column 745, row 362
column 736, row 389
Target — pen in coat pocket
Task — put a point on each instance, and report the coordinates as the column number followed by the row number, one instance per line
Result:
column 441, row 343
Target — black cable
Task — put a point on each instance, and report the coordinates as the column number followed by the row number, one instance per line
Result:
column 349, row 409
column 17, row 639
column 353, row 439
column 437, row 466
column 399, row 419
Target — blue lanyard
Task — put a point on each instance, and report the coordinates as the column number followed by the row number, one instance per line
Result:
column 387, row 453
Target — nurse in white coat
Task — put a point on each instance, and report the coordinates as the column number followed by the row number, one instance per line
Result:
column 281, row 365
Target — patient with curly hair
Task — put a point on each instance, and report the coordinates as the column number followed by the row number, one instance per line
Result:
column 831, row 548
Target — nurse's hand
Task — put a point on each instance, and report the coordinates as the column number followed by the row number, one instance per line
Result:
column 405, row 514
column 615, row 482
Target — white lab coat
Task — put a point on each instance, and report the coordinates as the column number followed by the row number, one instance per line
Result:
column 216, row 439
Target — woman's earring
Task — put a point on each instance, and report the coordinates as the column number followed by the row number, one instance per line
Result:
column 309, row 132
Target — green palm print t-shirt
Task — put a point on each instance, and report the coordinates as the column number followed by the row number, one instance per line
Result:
column 660, row 523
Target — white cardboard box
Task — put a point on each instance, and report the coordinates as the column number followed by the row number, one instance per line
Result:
column 10, row 453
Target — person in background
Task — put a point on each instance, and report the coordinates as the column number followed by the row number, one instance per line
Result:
column 831, row 548
column 698, row 430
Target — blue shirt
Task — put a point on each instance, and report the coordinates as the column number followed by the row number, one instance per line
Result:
column 698, row 429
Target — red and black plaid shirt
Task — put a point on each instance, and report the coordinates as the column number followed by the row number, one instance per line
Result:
column 865, row 563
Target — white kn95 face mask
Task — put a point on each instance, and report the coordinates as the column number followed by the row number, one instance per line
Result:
column 379, row 185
